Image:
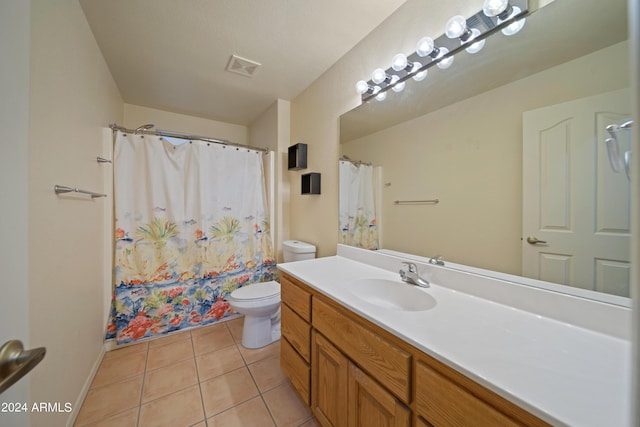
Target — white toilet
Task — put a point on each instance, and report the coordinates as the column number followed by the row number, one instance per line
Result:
column 260, row 302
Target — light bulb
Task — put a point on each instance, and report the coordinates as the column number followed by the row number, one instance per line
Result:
column 378, row 76
column 477, row 46
column 424, row 46
column 381, row 96
column 399, row 87
column 494, row 7
column 455, row 27
column 514, row 27
column 362, row 87
column 418, row 76
column 445, row 63
column 399, row 62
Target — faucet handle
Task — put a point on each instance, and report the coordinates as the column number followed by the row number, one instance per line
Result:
column 436, row 260
column 411, row 266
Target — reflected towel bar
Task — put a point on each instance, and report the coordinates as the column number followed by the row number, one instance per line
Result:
column 415, row 202
column 61, row 189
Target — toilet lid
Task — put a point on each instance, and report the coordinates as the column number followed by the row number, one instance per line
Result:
column 257, row 291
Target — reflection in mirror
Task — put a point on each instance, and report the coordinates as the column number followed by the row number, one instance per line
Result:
column 511, row 141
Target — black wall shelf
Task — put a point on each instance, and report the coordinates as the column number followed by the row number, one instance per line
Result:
column 311, row 183
column 297, row 157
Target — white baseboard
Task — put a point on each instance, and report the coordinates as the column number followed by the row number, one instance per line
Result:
column 85, row 389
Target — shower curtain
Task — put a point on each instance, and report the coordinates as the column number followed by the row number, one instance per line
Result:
column 357, row 207
column 191, row 226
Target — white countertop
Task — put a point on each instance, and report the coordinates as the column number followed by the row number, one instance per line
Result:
column 562, row 373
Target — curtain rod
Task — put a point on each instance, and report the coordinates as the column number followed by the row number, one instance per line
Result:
column 354, row 162
column 145, row 130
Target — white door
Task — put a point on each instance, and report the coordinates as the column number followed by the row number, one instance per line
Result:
column 572, row 199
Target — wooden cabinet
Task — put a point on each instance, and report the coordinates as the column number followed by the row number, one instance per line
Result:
column 295, row 345
column 352, row 372
column 330, row 369
column 370, row 404
column 344, row 395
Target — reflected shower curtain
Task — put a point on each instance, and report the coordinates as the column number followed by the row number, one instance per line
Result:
column 191, row 226
column 357, row 208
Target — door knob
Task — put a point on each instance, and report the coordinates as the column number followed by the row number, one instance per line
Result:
column 534, row 240
column 16, row 362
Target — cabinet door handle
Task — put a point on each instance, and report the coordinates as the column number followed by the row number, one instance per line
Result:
column 534, row 240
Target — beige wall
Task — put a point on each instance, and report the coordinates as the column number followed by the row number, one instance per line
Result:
column 272, row 131
column 315, row 113
column 72, row 98
column 14, row 162
column 469, row 155
column 135, row 116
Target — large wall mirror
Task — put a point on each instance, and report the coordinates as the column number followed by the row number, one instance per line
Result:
column 492, row 139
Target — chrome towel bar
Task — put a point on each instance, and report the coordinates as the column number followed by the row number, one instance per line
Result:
column 415, row 202
column 61, row 189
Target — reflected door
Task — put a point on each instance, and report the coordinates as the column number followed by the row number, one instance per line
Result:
column 576, row 209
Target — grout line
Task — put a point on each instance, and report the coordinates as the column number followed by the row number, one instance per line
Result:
column 144, row 375
column 195, row 361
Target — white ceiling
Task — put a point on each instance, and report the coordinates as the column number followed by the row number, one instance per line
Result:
column 171, row 55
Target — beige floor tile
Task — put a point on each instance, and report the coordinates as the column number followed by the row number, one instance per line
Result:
column 126, row 419
column 253, row 355
column 201, row 330
column 202, row 424
column 252, row 413
column 126, row 351
column 168, row 354
column 109, row 400
column 166, row 380
column 219, row 362
column 183, row 408
column 228, row 390
column 217, row 337
column 267, row 373
column 312, row 422
column 118, row 368
column 285, row 406
column 235, row 327
column 169, row 339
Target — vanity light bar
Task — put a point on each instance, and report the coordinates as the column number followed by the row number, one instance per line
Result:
column 444, row 49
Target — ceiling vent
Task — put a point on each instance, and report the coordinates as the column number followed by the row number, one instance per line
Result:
column 244, row 67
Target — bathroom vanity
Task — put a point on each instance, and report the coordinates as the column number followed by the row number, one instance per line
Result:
column 363, row 348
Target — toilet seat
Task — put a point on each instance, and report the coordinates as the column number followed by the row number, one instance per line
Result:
column 257, row 292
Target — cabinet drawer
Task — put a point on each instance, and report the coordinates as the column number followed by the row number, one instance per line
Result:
column 296, row 331
column 442, row 402
column 295, row 297
column 296, row 369
column 385, row 362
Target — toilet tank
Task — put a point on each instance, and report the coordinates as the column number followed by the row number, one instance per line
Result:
column 295, row 250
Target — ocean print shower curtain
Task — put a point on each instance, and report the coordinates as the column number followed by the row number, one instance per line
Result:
column 191, row 226
column 358, row 225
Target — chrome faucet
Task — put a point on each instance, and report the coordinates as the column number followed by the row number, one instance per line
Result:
column 412, row 275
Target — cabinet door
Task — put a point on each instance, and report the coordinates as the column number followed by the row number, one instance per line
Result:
column 330, row 370
column 370, row 405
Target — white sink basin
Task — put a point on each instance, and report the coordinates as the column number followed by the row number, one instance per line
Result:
column 392, row 294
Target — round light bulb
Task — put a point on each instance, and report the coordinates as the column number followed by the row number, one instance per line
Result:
column 494, row 7
column 381, row 96
column 399, row 62
column 445, row 63
column 378, row 76
column 424, row 46
column 455, row 27
column 514, row 27
column 362, row 87
column 418, row 76
column 399, row 87
column 477, row 46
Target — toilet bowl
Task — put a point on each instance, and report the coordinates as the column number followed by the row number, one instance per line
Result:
column 260, row 304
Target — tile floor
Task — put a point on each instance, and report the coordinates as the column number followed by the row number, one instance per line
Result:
column 200, row 378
